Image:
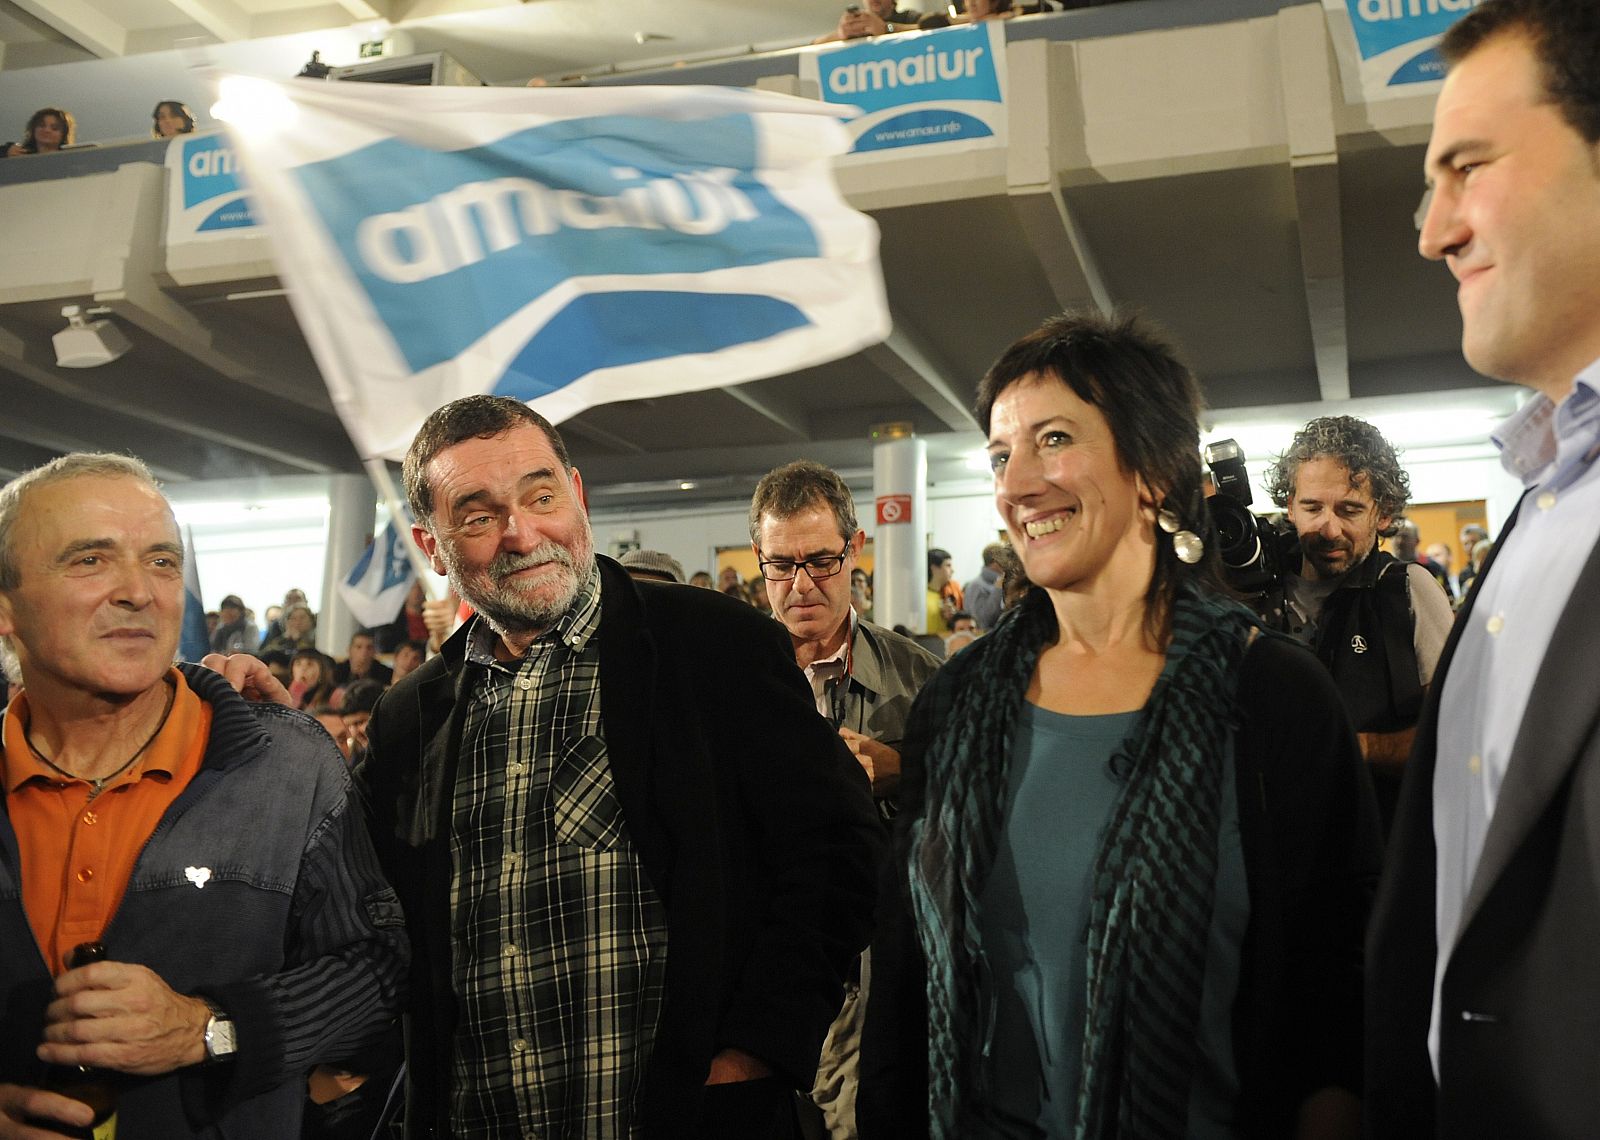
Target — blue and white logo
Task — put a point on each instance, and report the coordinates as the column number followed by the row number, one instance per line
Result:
column 503, row 225
column 955, row 65
column 211, row 197
column 945, row 86
column 377, row 586
column 569, row 248
column 1397, row 40
column 1383, row 25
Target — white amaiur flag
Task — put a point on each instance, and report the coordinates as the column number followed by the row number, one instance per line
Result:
column 569, row 247
column 377, row 585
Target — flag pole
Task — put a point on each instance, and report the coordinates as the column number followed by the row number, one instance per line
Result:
column 378, row 472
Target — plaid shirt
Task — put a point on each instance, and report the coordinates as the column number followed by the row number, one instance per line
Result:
column 559, row 941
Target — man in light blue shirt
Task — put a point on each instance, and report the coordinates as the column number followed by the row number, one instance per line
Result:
column 1484, row 996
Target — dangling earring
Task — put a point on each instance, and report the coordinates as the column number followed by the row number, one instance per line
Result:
column 1186, row 544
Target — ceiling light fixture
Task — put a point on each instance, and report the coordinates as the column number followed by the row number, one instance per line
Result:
column 85, row 343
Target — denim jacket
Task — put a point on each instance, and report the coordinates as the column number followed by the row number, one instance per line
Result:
column 292, row 930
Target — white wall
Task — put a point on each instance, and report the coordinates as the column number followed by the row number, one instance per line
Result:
column 691, row 536
column 261, row 566
column 111, row 99
column 964, row 523
column 256, row 538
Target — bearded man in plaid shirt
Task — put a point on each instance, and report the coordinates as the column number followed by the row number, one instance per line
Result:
column 635, row 862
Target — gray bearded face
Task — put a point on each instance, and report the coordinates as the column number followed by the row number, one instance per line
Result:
column 513, row 603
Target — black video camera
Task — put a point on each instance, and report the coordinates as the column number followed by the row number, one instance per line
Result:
column 1255, row 552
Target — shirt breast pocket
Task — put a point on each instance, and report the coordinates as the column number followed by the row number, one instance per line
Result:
column 583, row 802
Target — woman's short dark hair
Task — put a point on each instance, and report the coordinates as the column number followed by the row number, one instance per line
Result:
column 175, row 108
column 1566, row 41
column 69, row 127
column 1151, row 402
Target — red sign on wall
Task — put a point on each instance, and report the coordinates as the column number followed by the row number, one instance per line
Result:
column 894, row 509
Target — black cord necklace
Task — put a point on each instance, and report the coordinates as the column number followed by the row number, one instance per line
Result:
column 100, row 783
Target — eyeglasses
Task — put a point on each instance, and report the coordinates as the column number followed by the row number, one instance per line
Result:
column 823, row 566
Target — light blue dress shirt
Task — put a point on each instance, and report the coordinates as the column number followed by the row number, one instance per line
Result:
column 1552, row 449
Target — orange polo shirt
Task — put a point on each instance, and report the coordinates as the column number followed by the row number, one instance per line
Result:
column 78, row 851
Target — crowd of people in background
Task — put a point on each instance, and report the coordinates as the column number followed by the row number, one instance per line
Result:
column 322, row 684
column 338, row 692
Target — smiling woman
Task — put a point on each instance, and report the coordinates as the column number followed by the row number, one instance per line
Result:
column 1124, row 803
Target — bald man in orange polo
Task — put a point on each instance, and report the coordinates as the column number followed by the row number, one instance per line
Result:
column 205, row 842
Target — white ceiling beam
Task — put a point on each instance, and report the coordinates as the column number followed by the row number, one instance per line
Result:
column 81, row 22
column 599, row 435
column 1033, row 185
column 1307, row 78
column 1064, row 254
column 907, row 359
column 787, row 417
column 222, row 18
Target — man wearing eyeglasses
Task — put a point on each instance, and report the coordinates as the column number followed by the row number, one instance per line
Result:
column 863, row 677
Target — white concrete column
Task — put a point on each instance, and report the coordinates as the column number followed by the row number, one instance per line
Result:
column 900, row 549
column 352, row 512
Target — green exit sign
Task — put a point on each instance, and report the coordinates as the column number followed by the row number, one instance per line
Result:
column 372, row 49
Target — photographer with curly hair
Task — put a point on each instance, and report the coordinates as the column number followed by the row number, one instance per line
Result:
column 1377, row 623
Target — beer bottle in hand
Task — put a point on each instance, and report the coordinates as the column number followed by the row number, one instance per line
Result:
column 96, row 1088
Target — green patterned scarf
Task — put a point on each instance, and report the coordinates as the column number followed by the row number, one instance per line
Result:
column 1154, row 876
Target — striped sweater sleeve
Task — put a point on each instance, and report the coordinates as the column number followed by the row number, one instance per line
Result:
column 343, row 983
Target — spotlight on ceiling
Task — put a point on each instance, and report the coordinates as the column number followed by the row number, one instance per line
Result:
column 85, row 343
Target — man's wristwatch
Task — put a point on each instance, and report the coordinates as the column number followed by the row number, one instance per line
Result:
column 221, row 1044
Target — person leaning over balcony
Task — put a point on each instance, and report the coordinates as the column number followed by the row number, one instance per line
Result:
column 49, row 129
column 170, row 119
column 877, row 18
